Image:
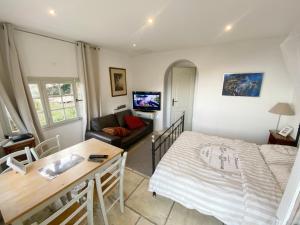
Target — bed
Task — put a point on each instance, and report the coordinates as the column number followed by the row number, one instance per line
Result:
column 250, row 196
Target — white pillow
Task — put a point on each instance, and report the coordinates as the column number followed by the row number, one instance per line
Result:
column 278, row 153
column 280, row 159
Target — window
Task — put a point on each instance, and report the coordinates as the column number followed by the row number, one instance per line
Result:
column 54, row 100
column 8, row 125
column 37, row 100
column 12, row 125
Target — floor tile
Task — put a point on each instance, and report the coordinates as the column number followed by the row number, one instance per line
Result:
column 183, row 216
column 155, row 209
column 144, row 221
column 131, row 181
column 115, row 217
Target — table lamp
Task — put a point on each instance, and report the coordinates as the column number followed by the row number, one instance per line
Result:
column 280, row 109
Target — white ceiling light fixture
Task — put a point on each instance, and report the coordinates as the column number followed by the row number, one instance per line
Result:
column 228, row 28
column 52, row 12
column 134, row 45
column 150, row 21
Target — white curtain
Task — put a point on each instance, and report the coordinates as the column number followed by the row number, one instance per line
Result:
column 14, row 90
column 89, row 76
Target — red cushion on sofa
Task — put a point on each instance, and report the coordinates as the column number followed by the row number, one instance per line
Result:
column 116, row 131
column 133, row 122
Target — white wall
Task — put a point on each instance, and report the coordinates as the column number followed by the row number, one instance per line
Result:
column 109, row 58
column 291, row 52
column 295, row 120
column 236, row 117
column 45, row 57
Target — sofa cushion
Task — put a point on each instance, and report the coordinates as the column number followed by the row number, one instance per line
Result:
column 116, row 131
column 120, row 117
column 133, row 122
column 100, row 135
column 97, row 124
column 134, row 136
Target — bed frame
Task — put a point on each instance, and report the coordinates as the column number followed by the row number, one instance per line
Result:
column 164, row 141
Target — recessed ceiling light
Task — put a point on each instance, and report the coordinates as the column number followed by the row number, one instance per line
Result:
column 52, row 12
column 228, row 28
column 150, row 20
column 134, row 45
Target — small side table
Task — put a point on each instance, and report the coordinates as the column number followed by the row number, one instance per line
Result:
column 277, row 139
column 11, row 146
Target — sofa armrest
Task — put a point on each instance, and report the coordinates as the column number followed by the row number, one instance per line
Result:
column 148, row 122
column 102, row 136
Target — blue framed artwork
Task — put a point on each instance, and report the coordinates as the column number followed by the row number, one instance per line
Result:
column 242, row 84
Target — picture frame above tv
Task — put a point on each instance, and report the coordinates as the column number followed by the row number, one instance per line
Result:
column 146, row 100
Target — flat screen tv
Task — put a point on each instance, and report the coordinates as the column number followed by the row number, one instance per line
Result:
column 146, row 101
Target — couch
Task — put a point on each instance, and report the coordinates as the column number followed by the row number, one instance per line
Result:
column 117, row 120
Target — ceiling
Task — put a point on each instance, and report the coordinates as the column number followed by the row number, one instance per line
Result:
column 177, row 24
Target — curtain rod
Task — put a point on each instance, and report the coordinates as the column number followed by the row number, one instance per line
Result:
column 59, row 39
column 43, row 35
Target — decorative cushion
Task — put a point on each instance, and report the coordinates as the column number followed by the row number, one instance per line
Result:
column 120, row 116
column 133, row 122
column 116, row 131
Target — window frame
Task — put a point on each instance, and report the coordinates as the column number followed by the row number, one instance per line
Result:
column 5, row 118
column 41, row 83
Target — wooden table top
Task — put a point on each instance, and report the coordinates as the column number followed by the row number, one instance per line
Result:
column 21, row 193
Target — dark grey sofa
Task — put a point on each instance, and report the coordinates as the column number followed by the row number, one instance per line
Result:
column 117, row 120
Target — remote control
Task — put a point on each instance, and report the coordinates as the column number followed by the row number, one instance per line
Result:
column 98, row 156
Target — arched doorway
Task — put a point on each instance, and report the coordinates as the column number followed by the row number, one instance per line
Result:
column 179, row 91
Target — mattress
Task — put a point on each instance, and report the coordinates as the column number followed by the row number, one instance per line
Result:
column 248, row 198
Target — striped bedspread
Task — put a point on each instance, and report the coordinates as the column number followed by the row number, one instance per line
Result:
column 248, row 198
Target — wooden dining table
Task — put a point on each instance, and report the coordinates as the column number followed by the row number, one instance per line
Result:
column 22, row 196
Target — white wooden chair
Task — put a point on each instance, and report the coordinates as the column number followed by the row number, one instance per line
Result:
column 22, row 153
column 46, row 148
column 73, row 212
column 107, row 180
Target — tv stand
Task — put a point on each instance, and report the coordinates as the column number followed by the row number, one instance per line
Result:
column 145, row 114
column 146, row 111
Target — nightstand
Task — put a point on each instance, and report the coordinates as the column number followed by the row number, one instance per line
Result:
column 277, row 139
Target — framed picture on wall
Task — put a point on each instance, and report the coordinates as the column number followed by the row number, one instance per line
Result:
column 242, row 84
column 118, row 81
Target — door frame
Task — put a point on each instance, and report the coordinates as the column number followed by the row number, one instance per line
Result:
column 167, row 90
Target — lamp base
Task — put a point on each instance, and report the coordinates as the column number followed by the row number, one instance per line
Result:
column 278, row 123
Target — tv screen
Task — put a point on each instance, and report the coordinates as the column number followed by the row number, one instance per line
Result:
column 146, row 101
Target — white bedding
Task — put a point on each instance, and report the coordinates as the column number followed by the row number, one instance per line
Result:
column 280, row 159
column 248, row 198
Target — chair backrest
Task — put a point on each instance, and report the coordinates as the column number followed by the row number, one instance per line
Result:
column 113, row 174
column 46, row 148
column 22, row 153
column 78, row 213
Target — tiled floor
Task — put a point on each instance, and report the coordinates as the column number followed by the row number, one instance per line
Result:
column 142, row 209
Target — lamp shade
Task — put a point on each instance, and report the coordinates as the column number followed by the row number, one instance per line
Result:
column 282, row 108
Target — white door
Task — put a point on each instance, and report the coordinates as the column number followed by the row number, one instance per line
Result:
column 182, row 97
